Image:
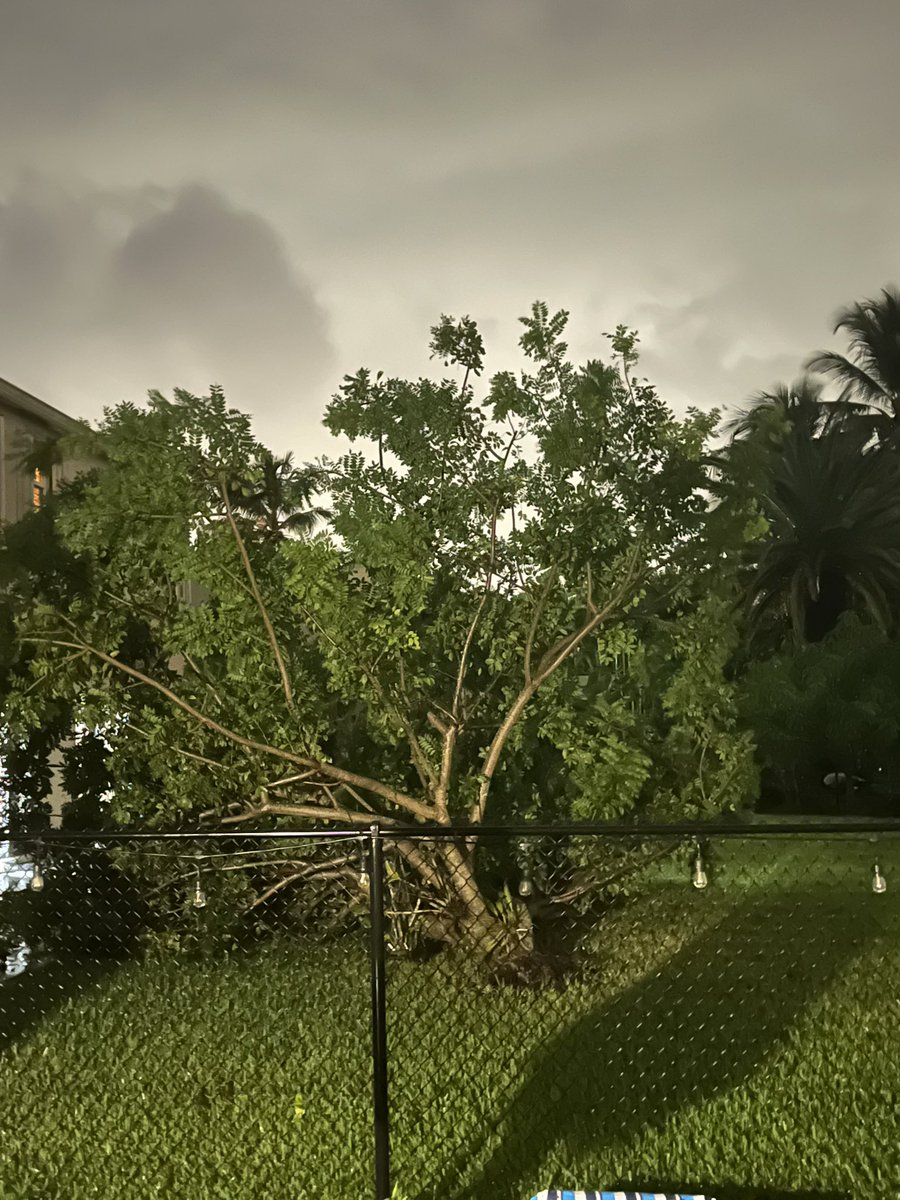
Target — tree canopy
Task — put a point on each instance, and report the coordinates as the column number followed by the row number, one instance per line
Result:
column 523, row 605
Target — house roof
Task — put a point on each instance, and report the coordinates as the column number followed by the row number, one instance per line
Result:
column 24, row 402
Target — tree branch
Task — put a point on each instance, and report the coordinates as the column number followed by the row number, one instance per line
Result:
column 201, row 758
column 288, row 779
column 473, row 625
column 315, row 812
column 420, row 762
column 201, row 675
column 548, row 664
column 450, row 732
column 257, row 596
column 400, row 799
column 333, row 869
column 539, row 608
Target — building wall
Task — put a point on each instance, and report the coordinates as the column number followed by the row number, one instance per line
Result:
column 20, row 432
column 17, row 435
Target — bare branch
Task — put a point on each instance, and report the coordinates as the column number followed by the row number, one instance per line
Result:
column 316, row 812
column 435, row 721
column 333, row 869
column 539, row 607
column 442, row 795
column 450, row 733
column 257, row 596
column 288, row 779
column 201, row 675
column 360, row 800
column 549, row 663
column 589, row 599
column 473, row 625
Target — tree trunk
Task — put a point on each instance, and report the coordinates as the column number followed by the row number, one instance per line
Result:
column 467, row 919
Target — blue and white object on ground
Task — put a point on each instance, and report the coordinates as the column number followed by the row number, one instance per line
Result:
column 565, row 1194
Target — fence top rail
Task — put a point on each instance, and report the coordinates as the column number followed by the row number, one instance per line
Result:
column 682, row 829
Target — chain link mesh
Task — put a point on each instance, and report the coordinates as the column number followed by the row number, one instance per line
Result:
column 185, row 1018
column 654, row 1012
column 191, row 1016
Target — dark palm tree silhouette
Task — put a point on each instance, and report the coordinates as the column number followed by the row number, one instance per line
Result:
column 833, row 506
column 869, row 374
column 800, row 405
column 830, row 491
column 279, row 498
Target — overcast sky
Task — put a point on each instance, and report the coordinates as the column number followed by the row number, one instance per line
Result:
column 272, row 195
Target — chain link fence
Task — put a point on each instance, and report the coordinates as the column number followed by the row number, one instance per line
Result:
column 479, row 1014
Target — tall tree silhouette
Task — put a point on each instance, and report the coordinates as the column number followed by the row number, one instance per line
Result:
column 833, row 506
column 831, row 495
column 279, row 497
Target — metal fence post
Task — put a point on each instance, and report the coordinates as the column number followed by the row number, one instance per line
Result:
column 378, row 973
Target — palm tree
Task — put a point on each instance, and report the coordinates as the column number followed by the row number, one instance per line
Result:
column 828, row 477
column 758, row 432
column 833, row 506
column 798, row 405
column 870, row 374
column 279, row 496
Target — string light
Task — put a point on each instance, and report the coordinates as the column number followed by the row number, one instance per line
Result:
column 363, row 864
column 37, row 881
column 199, row 900
column 699, row 877
column 526, row 887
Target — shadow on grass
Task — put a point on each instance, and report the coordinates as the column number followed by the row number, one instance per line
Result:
column 700, row 1026
column 27, row 998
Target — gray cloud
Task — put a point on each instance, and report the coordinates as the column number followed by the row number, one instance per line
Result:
column 722, row 175
column 107, row 294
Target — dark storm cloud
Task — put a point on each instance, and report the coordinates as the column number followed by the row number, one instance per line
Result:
column 722, row 175
column 153, row 288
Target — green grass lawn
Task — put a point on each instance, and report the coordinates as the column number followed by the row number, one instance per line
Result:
column 740, row 1037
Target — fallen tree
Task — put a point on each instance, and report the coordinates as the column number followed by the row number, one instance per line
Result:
column 522, row 608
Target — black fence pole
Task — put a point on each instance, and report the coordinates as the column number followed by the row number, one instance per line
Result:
column 379, row 1016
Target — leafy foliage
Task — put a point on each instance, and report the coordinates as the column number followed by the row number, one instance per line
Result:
column 830, row 707
column 869, row 376
column 523, row 605
column 828, row 477
column 279, row 496
column 833, row 507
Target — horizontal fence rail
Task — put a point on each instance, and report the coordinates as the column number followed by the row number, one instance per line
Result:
column 453, row 1012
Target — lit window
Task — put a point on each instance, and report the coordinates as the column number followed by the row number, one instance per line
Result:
column 37, row 489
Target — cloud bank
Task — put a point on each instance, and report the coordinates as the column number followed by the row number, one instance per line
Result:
column 109, row 293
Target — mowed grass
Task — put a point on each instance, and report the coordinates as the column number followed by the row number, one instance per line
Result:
column 742, row 1040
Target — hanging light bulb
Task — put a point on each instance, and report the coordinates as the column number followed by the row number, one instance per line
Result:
column 699, row 877
column 879, row 883
column 36, row 882
column 199, row 900
column 526, row 886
